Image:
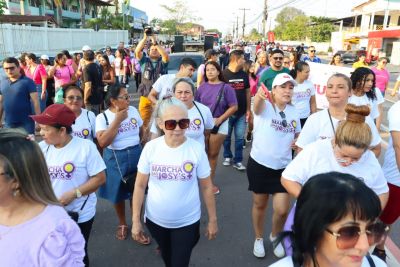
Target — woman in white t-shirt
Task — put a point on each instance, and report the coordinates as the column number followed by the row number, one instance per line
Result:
column 173, row 167
column 323, row 124
column 303, row 97
column 201, row 120
column 335, row 224
column 364, row 91
column 276, row 125
column 391, row 167
column 75, row 166
column 118, row 131
column 84, row 125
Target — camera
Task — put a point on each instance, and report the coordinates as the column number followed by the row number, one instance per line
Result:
column 148, row 30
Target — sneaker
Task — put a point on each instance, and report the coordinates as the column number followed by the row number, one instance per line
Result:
column 216, row 190
column 279, row 251
column 227, row 162
column 258, row 249
column 249, row 137
column 239, row 166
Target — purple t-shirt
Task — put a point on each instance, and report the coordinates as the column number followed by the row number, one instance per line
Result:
column 51, row 238
column 207, row 94
column 381, row 78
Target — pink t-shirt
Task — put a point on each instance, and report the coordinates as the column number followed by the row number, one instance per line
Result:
column 37, row 74
column 382, row 78
column 63, row 75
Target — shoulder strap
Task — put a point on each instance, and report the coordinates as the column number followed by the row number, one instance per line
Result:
column 90, row 123
column 370, row 260
column 219, row 98
column 200, row 114
column 105, row 117
column 330, row 118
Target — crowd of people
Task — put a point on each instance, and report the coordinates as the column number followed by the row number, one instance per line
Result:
column 165, row 150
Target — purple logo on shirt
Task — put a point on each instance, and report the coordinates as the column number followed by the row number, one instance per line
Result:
column 195, row 124
column 128, row 126
column 63, row 172
column 277, row 125
column 305, row 94
column 82, row 134
column 173, row 172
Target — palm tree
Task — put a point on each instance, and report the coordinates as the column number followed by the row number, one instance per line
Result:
column 82, row 12
column 58, row 12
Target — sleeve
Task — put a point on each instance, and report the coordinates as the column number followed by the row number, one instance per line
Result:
column 92, row 119
column 197, row 96
column 94, row 162
column 379, row 97
column 203, row 169
column 86, row 74
column 144, row 161
column 153, row 128
column 142, row 61
column 376, row 138
column 297, row 171
column 100, row 123
column 379, row 183
column 137, row 115
column 298, row 125
column 209, row 121
column 63, row 247
column 312, row 88
column 307, row 134
column 42, row 71
column 230, row 95
column 263, row 78
column 158, row 84
column 246, row 81
column 394, row 119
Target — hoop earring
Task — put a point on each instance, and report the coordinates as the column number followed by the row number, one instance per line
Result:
column 16, row 193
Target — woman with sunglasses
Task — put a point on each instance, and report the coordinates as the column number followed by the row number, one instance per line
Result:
column 276, row 125
column 118, row 131
column 323, row 124
column 335, row 224
column 85, row 122
column 174, row 168
column 75, row 166
column 201, row 120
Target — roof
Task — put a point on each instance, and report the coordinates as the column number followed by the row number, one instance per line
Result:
column 102, row 3
column 26, row 19
column 363, row 4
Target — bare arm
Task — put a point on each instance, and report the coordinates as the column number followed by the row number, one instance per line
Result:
column 395, row 88
column 229, row 112
column 137, row 202
column 35, row 100
column 161, row 50
column 313, row 104
column 396, row 145
column 209, row 199
column 153, row 96
column 293, row 188
column 377, row 150
column 140, row 46
column 384, row 199
column 87, row 92
column 259, row 101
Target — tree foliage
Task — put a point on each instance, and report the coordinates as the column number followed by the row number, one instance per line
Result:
column 321, row 29
column 3, row 5
column 180, row 12
column 106, row 20
column 291, row 24
column 254, row 35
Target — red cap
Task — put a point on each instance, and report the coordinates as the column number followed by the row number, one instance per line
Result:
column 55, row 114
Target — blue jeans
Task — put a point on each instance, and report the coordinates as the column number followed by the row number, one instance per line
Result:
column 42, row 103
column 239, row 125
column 28, row 125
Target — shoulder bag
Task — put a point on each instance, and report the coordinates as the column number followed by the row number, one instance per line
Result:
column 221, row 91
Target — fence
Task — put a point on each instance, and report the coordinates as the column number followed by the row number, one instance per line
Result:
column 15, row 39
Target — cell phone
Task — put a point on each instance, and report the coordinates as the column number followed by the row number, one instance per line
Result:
column 265, row 89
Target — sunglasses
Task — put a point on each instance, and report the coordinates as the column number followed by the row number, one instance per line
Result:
column 347, row 237
column 125, row 97
column 72, row 98
column 286, row 62
column 312, row 51
column 278, row 58
column 171, row 124
column 283, row 116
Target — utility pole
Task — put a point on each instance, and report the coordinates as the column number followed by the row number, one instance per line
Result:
column 233, row 30
column 265, row 17
column 237, row 27
column 244, row 19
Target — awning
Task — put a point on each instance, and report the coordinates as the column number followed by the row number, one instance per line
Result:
column 27, row 19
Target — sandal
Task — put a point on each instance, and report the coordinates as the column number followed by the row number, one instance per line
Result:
column 380, row 253
column 122, row 232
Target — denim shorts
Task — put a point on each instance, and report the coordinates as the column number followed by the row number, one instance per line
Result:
column 128, row 158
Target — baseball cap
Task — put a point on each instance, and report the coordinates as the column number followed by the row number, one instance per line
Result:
column 44, row 57
column 282, row 78
column 86, row 48
column 55, row 114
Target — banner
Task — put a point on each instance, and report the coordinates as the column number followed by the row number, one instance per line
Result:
column 319, row 75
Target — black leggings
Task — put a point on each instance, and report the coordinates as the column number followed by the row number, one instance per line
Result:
column 86, row 228
column 176, row 244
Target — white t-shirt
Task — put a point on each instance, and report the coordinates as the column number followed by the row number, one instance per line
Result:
column 163, row 85
column 389, row 167
column 364, row 100
column 71, row 166
column 302, row 94
column 85, row 125
column 271, row 141
column 318, row 157
column 128, row 132
column 173, row 199
column 196, row 127
column 318, row 126
column 288, row 262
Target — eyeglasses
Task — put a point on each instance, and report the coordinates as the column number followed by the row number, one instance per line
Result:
column 347, row 237
column 286, row 62
column 283, row 116
column 73, row 97
column 312, row 51
column 126, row 97
column 171, row 124
column 278, row 58
column 10, row 68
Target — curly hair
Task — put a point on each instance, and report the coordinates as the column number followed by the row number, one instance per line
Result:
column 358, row 79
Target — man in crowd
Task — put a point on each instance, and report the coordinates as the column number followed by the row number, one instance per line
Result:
column 311, row 56
column 153, row 66
column 300, row 51
column 163, row 86
column 16, row 93
column 275, row 59
column 239, row 80
column 92, row 83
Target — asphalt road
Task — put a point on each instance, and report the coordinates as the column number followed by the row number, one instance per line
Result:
column 234, row 243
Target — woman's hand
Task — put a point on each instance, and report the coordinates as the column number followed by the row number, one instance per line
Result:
column 138, row 233
column 43, row 95
column 212, row 229
column 121, row 115
column 217, row 121
column 67, row 198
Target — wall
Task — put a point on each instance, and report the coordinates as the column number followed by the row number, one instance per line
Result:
column 15, row 39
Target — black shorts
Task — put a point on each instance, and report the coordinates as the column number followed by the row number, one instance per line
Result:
column 264, row 180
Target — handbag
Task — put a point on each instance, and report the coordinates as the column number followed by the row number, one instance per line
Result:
column 59, row 96
column 75, row 214
column 216, row 127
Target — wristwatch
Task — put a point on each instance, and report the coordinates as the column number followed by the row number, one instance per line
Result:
column 78, row 193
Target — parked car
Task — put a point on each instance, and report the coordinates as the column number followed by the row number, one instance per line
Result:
column 349, row 57
column 175, row 60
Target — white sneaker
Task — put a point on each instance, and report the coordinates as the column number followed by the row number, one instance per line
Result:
column 258, row 249
column 279, row 251
column 226, row 162
column 239, row 166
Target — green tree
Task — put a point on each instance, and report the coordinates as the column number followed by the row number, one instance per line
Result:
column 291, row 24
column 3, row 5
column 254, row 35
column 321, row 29
column 180, row 17
column 106, row 20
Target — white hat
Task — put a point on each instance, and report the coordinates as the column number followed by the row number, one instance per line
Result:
column 44, row 57
column 282, row 78
column 86, row 48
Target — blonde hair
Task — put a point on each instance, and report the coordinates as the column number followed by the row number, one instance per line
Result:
column 354, row 131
